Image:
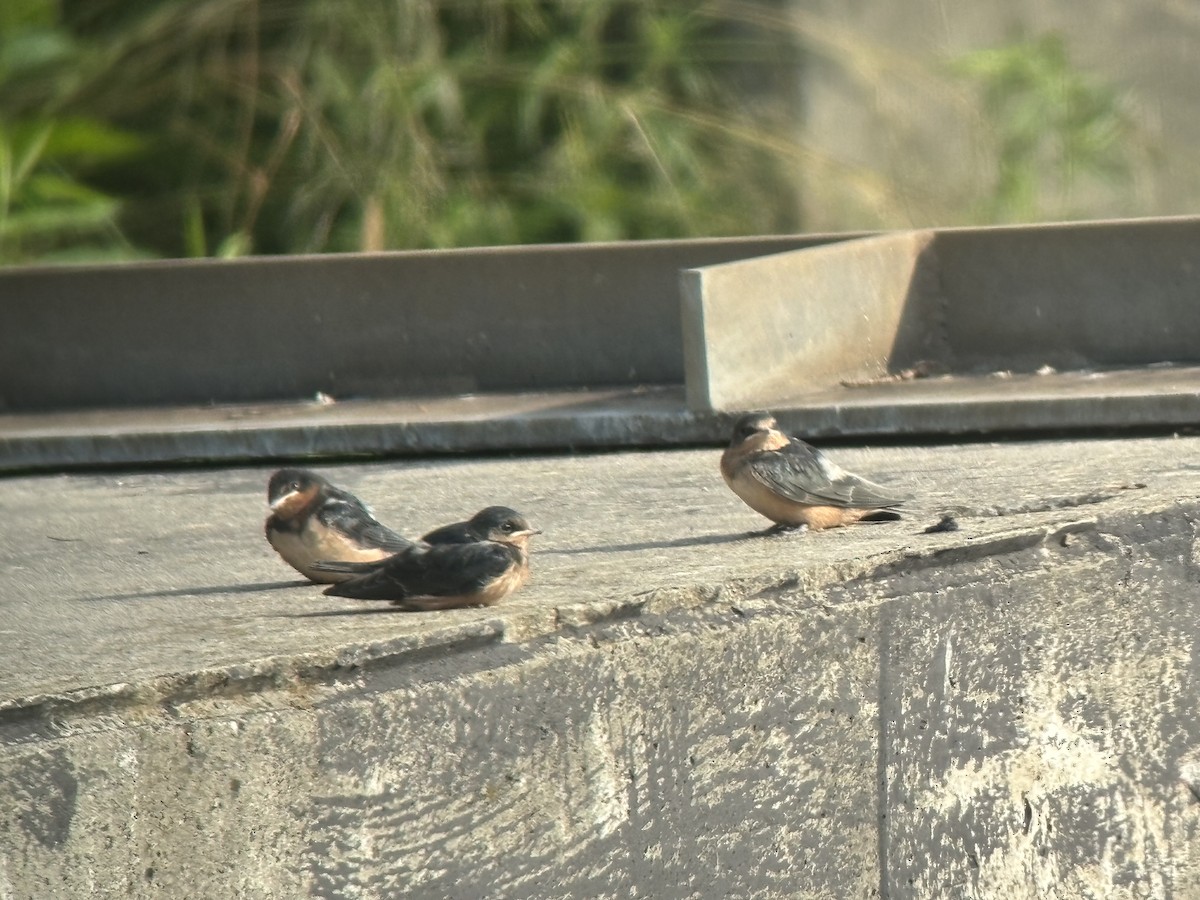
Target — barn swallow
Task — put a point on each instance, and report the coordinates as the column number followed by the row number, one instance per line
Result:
column 793, row 483
column 476, row 572
column 312, row 520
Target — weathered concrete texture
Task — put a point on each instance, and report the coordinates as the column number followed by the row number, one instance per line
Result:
column 758, row 330
column 1034, row 730
column 670, row 709
column 962, row 301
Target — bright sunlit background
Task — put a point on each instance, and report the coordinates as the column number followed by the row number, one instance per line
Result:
column 168, row 128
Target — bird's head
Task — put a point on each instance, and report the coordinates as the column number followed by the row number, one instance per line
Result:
column 504, row 525
column 290, row 491
column 751, row 424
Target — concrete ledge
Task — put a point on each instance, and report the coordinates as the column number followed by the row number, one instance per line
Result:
column 545, row 421
column 1003, row 711
column 386, row 325
column 549, row 347
column 1060, row 403
column 1079, row 296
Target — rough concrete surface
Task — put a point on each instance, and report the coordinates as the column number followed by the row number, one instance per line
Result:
column 653, row 416
column 669, row 709
column 759, row 330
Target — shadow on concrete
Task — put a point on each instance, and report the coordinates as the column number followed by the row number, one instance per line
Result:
column 201, row 591
column 699, row 541
column 378, row 606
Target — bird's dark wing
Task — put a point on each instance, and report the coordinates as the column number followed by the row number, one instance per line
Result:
column 458, row 533
column 352, row 568
column 441, row 570
column 801, row 473
column 346, row 513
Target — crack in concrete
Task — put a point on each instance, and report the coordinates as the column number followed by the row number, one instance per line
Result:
column 1048, row 504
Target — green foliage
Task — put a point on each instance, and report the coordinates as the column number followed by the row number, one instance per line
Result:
column 318, row 125
column 225, row 127
column 48, row 211
column 1052, row 126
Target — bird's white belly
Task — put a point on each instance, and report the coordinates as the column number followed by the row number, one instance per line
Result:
column 302, row 549
column 766, row 502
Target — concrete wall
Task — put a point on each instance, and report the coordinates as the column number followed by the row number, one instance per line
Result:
column 1003, row 719
column 881, row 102
column 970, row 301
column 372, row 325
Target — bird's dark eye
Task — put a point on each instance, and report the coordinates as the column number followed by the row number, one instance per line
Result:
column 294, row 486
column 508, row 527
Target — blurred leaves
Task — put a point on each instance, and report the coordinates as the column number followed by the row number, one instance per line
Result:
column 1051, row 126
column 226, row 127
column 48, row 211
column 318, row 125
